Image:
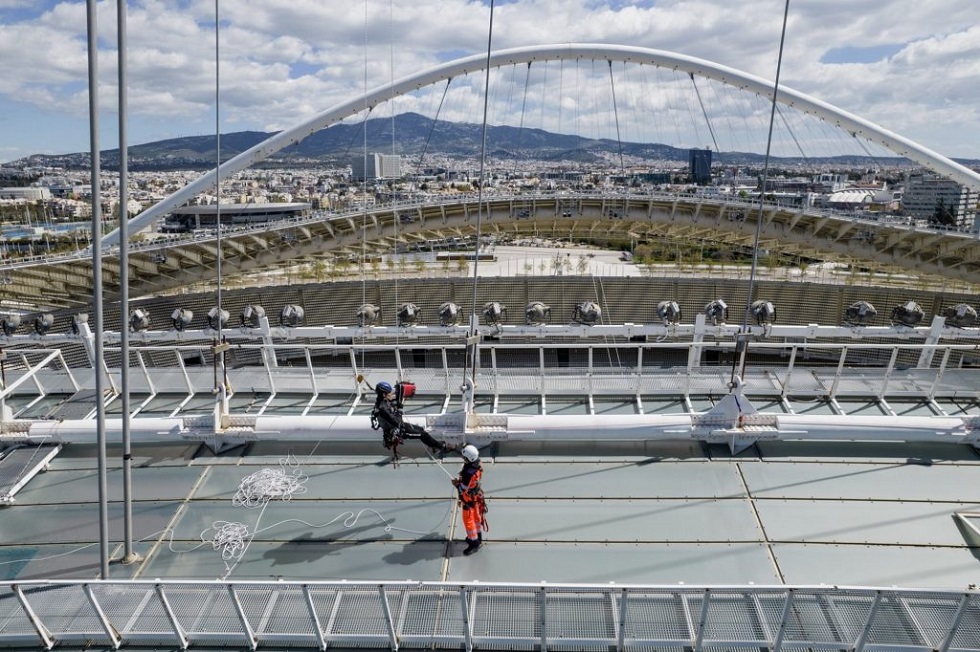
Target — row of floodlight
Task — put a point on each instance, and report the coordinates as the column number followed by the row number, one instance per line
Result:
column 536, row 313
column 862, row 313
column 251, row 316
column 716, row 312
column 180, row 319
column 41, row 323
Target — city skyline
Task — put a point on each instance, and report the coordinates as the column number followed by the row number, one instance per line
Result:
column 911, row 69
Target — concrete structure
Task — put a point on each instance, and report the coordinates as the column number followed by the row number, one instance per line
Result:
column 192, row 218
column 25, row 193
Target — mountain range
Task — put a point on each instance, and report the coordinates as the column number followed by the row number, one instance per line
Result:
column 413, row 134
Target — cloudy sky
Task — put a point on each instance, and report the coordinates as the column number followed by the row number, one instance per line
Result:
column 911, row 66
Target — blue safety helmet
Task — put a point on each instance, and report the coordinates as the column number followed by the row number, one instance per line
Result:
column 383, row 388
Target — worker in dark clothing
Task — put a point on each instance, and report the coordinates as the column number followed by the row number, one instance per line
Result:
column 471, row 500
column 387, row 416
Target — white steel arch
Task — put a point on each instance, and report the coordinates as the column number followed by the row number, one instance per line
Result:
column 853, row 124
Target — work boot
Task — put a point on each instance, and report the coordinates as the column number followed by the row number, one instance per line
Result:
column 472, row 545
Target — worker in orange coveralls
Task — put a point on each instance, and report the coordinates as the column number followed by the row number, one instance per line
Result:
column 471, row 499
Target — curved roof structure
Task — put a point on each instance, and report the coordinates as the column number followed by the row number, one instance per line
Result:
column 169, row 264
column 692, row 65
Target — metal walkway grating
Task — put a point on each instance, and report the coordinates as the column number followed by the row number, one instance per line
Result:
column 484, row 616
column 18, row 464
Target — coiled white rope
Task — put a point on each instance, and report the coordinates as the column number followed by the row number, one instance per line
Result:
column 267, row 484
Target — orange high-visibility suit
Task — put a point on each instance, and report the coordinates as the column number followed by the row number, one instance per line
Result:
column 472, row 502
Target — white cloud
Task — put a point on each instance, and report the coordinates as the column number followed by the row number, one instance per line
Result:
column 282, row 61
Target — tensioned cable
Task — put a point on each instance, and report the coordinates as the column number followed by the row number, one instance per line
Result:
column 391, row 71
column 525, row 204
column 217, row 185
column 561, row 90
column 520, row 129
column 792, row 134
column 619, row 141
column 432, row 127
column 364, row 172
column 704, row 112
column 762, row 195
column 471, row 348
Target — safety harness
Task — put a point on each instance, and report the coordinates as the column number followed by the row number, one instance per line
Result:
column 392, row 436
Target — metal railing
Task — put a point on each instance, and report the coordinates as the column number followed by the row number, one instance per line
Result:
column 489, row 616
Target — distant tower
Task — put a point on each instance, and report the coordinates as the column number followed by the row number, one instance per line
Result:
column 700, row 166
column 379, row 166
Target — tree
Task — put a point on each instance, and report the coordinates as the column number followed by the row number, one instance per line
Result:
column 643, row 253
column 319, row 270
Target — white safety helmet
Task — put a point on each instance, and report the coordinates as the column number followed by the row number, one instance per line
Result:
column 470, row 453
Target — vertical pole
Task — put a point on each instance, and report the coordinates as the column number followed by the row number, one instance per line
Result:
column 128, row 555
column 742, row 341
column 93, row 123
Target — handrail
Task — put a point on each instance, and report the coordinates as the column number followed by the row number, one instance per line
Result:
column 487, row 615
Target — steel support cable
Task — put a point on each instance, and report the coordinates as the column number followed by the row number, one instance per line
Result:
column 472, row 349
column 432, row 127
column 619, row 140
column 743, row 341
column 525, row 205
column 364, row 174
column 792, row 134
column 634, row 110
column 561, row 89
column 704, row 112
column 544, row 92
column 728, row 90
column 396, row 219
column 219, row 355
column 520, row 129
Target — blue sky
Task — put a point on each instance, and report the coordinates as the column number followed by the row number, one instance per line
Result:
column 909, row 66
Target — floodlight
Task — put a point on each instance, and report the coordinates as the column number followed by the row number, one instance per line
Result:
column 908, row 314
column 216, row 318
column 448, row 314
column 537, row 313
column 962, row 315
column 368, row 314
column 860, row 313
column 251, row 315
column 77, row 321
column 408, row 314
column 291, row 315
column 763, row 312
column 43, row 323
column 587, row 312
column 494, row 312
column 139, row 320
column 9, row 324
column 669, row 312
column 181, row 318
column 716, row 312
